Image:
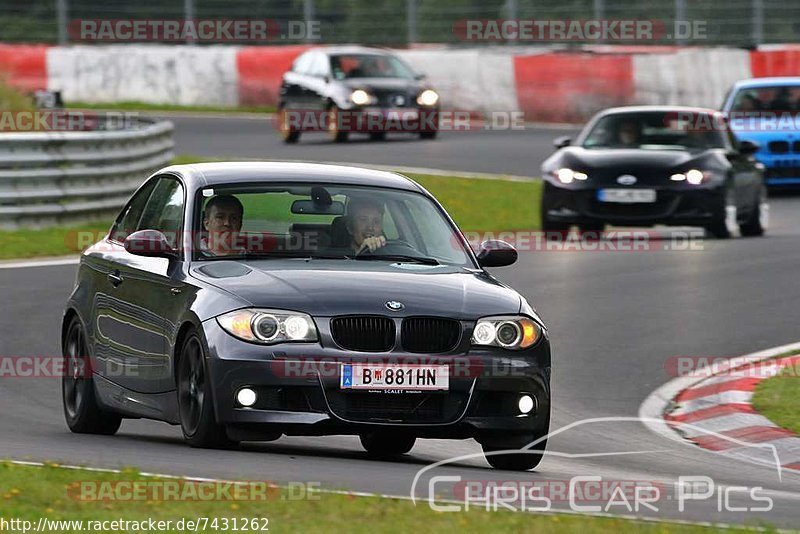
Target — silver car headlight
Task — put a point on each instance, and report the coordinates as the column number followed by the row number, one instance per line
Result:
column 360, row 97
column 567, row 176
column 509, row 332
column 269, row 326
column 428, row 97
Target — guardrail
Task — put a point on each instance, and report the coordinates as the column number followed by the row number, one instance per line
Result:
column 54, row 178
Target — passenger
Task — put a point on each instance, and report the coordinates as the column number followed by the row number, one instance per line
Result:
column 781, row 102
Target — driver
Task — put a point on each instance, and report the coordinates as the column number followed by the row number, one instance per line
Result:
column 365, row 224
column 628, row 133
column 223, row 222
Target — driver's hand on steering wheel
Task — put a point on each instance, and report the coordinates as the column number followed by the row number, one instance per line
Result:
column 372, row 244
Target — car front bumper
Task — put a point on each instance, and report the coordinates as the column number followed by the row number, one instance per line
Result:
column 298, row 391
column 687, row 207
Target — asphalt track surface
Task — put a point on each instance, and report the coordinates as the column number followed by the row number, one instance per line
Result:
column 615, row 319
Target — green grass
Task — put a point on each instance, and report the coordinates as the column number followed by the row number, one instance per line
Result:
column 29, row 493
column 778, row 398
column 145, row 106
column 13, row 100
column 477, row 205
column 57, row 241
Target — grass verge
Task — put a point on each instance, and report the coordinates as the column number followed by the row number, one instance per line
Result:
column 475, row 204
column 29, row 493
column 145, row 106
column 778, row 399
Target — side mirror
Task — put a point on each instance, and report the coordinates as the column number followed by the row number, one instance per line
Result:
column 150, row 243
column 495, row 253
column 420, row 76
column 747, row 148
column 561, row 142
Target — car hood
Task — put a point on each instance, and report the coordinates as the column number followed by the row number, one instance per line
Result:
column 343, row 287
column 650, row 167
column 382, row 84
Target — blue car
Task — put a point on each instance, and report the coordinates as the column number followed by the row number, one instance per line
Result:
column 766, row 111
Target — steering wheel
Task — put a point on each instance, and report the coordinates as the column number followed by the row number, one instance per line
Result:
column 393, row 246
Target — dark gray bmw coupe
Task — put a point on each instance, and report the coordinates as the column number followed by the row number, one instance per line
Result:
column 244, row 301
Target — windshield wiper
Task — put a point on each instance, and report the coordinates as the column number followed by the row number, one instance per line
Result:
column 399, row 258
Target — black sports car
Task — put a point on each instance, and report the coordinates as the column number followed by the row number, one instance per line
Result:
column 641, row 166
column 355, row 89
column 248, row 300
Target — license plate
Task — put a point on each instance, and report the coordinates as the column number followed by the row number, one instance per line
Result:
column 627, row 196
column 394, row 377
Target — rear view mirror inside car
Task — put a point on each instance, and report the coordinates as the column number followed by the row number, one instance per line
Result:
column 309, row 207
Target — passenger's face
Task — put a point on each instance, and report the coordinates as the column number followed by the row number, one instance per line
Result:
column 366, row 222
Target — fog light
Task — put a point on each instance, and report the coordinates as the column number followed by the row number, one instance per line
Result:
column 525, row 404
column 247, row 397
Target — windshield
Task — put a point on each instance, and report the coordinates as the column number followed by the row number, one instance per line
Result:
column 776, row 98
column 326, row 221
column 347, row 66
column 657, row 131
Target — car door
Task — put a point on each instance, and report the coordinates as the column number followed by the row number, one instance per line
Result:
column 145, row 297
column 318, row 80
column 293, row 91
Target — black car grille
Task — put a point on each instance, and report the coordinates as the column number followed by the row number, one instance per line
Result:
column 796, row 146
column 778, row 147
column 398, row 407
column 430, row 334
column 394, row 99
column 363, row 333
column 783, row 172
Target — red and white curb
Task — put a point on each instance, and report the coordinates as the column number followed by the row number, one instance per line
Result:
column 713, row 409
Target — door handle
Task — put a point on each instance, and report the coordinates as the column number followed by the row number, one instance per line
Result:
column 115, row 278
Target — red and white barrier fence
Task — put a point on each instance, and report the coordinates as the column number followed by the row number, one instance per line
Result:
column 546, row 84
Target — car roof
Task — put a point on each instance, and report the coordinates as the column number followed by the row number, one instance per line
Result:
column 661, row 109
column 198, row 175
column 773, row 81
column 353, row 49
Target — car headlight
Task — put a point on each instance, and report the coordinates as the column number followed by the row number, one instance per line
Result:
column 360, row 97
column 567, row 176
column 269, row 326
column 513, row 332
column 428, row 97
column 693, row 176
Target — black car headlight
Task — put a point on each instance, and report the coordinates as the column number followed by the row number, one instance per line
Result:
column 509, row 332
column 693, row 176
column 566, row 175
column 269, row 326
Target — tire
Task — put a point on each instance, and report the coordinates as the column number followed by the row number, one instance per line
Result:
column 336, row 135
column 81, row 410
column 427, row 136
column 523, row 461
column 724, row 223
column 385, row 444
column 195, row 400
column 377, row 136
column 289, row 135
column 758, row 220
